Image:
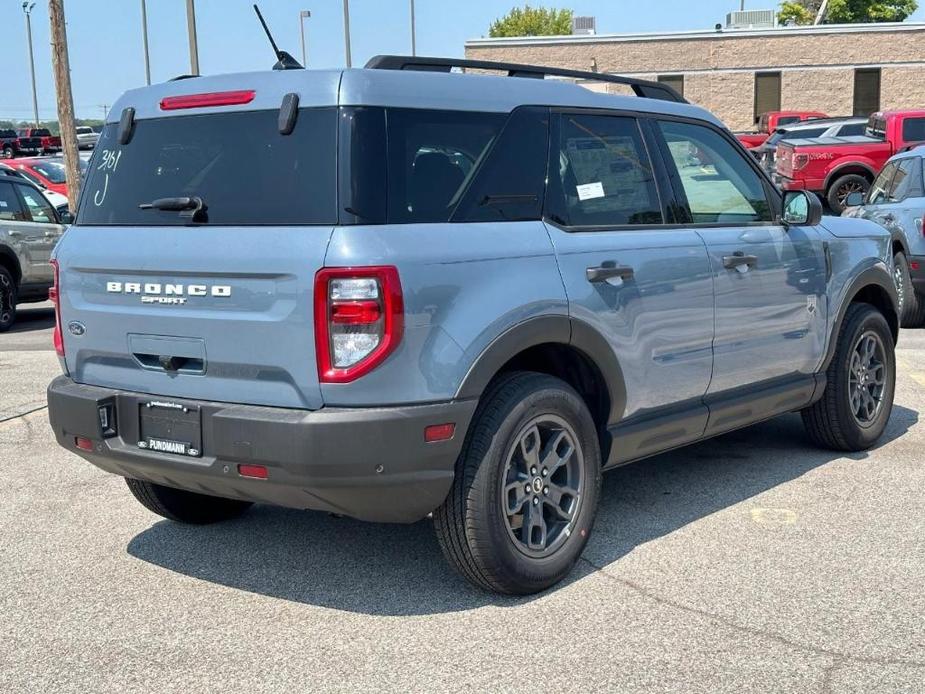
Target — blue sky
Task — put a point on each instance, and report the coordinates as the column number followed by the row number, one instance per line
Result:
column 106, row 50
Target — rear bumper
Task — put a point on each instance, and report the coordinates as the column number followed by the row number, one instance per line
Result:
column 785, row 183
column 917, row 272
column 370, row 463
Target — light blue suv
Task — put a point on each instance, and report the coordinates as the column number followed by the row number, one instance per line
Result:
column 400, row 291
column 896, row 201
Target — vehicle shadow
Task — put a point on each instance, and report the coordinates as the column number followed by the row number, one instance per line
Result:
column 393, row 570
column 29, row 319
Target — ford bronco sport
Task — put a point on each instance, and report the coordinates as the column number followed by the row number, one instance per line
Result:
column 400, row 291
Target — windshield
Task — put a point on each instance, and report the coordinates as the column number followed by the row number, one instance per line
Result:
column 238, row 163
column 52, row 170
column 7, row 133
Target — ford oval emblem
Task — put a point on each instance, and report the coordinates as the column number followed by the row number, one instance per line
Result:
column 76, row 328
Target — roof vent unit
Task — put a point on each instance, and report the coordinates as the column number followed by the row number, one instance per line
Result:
column 584, row 25
column 751, row 19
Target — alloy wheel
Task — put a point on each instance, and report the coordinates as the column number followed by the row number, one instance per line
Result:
column 898, row 280
column 7, row 300
column 867, row 378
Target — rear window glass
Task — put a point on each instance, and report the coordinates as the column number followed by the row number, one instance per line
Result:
column 243, row 169
column 52, row 170
column 914, row 129
column 7, row 133
column 41, row 132
column 803, row 134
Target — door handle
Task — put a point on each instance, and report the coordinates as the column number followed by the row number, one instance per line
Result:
column 14, row 233
column 738, row 259
column 609, row 270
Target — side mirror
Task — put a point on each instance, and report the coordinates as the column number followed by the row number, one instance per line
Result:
column 854, row 199
column 65, row 217
column 801, row 209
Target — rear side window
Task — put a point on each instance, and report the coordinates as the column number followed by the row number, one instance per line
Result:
column 10, row 207
column 37, row 205
column 719, row 184
column 601, row 174
column 244, row 170
column 907, row 183
column 852, row 129
column 914, row 129
column 787, row 120
column 880, row 190
column 804, row 134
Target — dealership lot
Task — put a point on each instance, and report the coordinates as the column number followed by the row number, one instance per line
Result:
column 748, row 563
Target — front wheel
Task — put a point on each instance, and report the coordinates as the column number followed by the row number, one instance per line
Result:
column 527, row 483
column 860, row 382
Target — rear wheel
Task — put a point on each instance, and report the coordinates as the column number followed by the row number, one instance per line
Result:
column 185, row 507
column 8, row 152
column 860, row 381
column 911, row 304
column 844, row 186
column 527, row 483
column 8, row 299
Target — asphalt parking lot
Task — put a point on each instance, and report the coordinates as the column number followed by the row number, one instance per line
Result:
column 750, row 563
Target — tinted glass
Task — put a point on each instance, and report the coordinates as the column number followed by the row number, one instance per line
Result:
column 600, row 173
column 803, row 134
column 52, row 170
column 907, row 183
column 718, row 182
column 41, row 132
column 787, row 120
column 879, row 191
column 852, row 129
column 914, row 129
column 10, row 207
column 244, row 170
column 7, row 133
column 37, row 206
column 510, row 182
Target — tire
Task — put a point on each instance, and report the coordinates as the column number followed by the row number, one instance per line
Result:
column 841, row 187
column 911, row 306
column 8, row 152
column 479, row 536
column 185, row 507
column 832, row 421
column 9, row 295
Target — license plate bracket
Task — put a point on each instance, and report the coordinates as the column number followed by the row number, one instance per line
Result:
column 170, row 427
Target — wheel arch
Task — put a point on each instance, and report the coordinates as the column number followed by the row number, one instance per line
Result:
column 898, row 241
column 9, row 260
column 855, row 167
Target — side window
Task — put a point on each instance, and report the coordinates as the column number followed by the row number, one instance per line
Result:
column 600, row 173
column 880, row 190
column 10, row 208
column 908, row 180
column 914, row 129
column 852, row 129
column 787, row 120
column 719, row 184
column 37, row 205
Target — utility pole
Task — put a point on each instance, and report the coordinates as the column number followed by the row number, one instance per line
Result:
column 303, row 15
column 105, row 109
column 347, row 30
column 62, row 68
column 191, row 30
column 27, row 10
column 144, row 38
column 413, row 46
column 821, row 14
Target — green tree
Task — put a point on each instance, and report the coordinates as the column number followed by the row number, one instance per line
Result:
column 533, row 21
column 846, row 11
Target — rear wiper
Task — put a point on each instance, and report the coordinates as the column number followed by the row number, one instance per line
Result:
column 192, row 207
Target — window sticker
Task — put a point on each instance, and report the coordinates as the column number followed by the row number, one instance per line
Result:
column 4, row 203
column 589, row 191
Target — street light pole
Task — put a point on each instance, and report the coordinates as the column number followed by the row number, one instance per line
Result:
column 413, row 47
column 191, row 30
column 303, row 15
column 27, row 10
column 347, row 30
column 144, row 38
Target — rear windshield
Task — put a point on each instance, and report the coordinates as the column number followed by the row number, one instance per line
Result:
column 7, row 133
column 52, row 170
column 243, row 169
column 41, row 132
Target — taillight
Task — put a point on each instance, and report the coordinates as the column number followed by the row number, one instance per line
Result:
column 174, row 103
column 799, row 161
column 54, row 297
column 918, row 225
column 359, row 319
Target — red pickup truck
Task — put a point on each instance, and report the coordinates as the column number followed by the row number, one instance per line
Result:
column 51, row 144
column 833, row 168
column 771, row 121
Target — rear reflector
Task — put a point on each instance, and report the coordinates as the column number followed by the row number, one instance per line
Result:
column 83, row 443
column 914, row 265
column 439, row 432
column 258, row 472
column 174, row 103
column 54, row 296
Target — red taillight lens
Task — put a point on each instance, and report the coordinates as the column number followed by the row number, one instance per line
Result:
column 359, row 319
column 439, row 432
column 54, row 295
column 174, row 103
column 83, row 443
column 257, row 472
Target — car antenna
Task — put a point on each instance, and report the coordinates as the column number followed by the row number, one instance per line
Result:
column 284, row 61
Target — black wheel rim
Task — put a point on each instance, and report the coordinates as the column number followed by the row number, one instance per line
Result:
column 847, row 189
column 7, row 303
column 899, row 281
column 867, row 378
column 542, row 485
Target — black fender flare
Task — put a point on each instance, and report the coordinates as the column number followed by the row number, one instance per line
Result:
column 876, row 275
column 896, row 237
column 540, row 330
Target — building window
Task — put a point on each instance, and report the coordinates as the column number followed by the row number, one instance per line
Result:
column 866, row 91
column 676, row 82
column 767, row 93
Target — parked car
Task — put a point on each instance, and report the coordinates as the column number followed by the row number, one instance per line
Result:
column 481, row 291
column 51, row 144
column 87, row 137
column 896, row 201
column 47, row 172
column 771, row 121
column 11, row 145
column 835, row 169
column 58, row 201
column 29, row 229
column 821, row 128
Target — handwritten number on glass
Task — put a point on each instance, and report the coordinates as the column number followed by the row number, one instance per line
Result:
column 109, row 162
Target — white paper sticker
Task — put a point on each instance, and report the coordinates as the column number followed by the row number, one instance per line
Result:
column 589, row 191
column 3, row 203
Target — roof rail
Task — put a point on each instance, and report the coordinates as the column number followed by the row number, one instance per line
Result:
column 643, row 88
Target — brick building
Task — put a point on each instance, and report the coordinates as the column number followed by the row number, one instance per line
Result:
column 851, row 69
